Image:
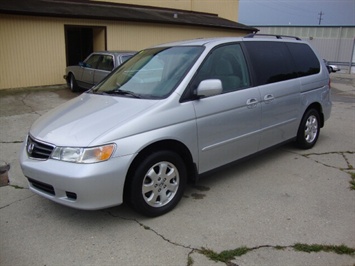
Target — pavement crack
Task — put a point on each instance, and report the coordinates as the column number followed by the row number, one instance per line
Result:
column 347, row 169
column 342, row 153
column 32, row 110
column 153, row 231
column 227, row 256
column 191, row 249
column 11, row 142
column 16, row 201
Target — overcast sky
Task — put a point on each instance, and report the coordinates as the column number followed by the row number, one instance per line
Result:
column 297, row 12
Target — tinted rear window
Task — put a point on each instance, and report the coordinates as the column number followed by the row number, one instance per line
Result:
column 278, row 61
column 271, row 61
column 306, row 62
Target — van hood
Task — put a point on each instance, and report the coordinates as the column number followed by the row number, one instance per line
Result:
column 81, row 120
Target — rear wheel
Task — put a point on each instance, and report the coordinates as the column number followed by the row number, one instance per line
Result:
column 309, row 129
column 158, row 183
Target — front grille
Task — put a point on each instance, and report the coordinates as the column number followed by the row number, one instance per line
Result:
column 38, row 150
column 42, row 186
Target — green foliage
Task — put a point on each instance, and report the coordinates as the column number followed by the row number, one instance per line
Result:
column 190, row 261
column 280, row 247
column 352, row 181
column 228, row 255
column 342, row 249
column 224, row 256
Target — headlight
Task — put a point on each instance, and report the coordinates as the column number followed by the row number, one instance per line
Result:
column 83, row 155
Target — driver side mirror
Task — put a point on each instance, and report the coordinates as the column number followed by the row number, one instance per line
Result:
column 83, row 64
column 209, row 87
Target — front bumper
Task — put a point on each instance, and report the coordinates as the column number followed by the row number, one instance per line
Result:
column 82, row 186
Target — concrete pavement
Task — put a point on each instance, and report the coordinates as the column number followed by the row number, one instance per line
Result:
column 261, row 208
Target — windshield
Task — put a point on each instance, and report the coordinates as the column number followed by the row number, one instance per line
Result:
column 152, row 73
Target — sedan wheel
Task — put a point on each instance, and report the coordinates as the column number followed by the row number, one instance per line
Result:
column 72, row 83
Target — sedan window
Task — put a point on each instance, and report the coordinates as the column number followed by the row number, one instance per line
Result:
column 92, row 61
column 124, row 58
column 106, row 63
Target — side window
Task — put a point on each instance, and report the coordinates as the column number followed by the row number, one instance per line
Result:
column 306, row 61
column 124, row 58
column 92, row 61
column 226, row 63
column 106, row 63
column 271, row 61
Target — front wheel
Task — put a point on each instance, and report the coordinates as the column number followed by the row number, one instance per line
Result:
column 309, row 129
column 158, row 183
column 73, row 86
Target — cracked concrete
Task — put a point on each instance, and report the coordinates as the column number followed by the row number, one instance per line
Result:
column 280, row 198
column 338, row 160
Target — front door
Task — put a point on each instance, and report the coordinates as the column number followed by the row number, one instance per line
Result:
column 89, row 68
column 228, row 124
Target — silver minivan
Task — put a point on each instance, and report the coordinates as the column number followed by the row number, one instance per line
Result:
column 173, row 112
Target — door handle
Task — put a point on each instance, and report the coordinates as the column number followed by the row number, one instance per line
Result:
column 268, row 98
column 252, row 103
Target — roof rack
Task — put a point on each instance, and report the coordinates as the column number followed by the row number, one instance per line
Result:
column 251, row 35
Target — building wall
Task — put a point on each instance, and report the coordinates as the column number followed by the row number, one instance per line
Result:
column 30, row 51
column 137, row 36
column 224, row 8
column 33, row 52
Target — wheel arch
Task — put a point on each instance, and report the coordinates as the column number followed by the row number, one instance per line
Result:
column 70, row 73
column 317, row 106
column 168, row 145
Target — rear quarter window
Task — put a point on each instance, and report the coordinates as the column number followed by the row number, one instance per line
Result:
column 278, row 61
column 306, row 62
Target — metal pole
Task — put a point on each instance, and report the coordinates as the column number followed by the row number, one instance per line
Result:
column 340, row 30
column 352, row 57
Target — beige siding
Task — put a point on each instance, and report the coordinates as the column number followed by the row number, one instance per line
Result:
column 136, row 36
column 224, row 8
column 99, row 39
column 176, row 4
column 228, row 9
column 32, row 49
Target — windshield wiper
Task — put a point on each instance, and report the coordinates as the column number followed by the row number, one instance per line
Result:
column 123, row 92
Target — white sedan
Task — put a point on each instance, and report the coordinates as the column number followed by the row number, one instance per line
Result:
column 94, row 69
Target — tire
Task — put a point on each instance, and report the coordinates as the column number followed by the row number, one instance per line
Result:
column 309, row 130
column 157, row 184
column 73, row 86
